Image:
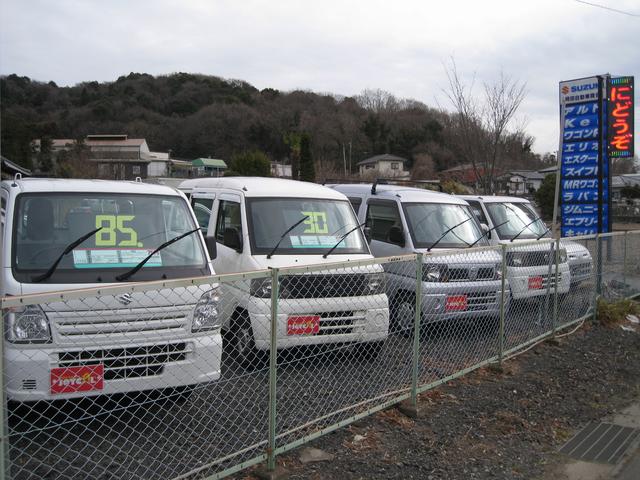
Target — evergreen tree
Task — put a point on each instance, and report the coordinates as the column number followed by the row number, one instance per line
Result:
column 307, row 170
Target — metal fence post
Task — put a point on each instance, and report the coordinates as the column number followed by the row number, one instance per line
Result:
column 502, row 298
column 554, row 320
column 598, row 279
column 273, row 354
column 624, row 260
column 4, row 448
column 416, row 333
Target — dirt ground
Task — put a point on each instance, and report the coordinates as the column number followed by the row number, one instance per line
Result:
column 489, row 425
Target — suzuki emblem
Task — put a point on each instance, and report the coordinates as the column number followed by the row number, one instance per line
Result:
column 124, row 298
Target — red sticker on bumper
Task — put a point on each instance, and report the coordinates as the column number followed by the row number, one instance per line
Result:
column 535, row 283
column 303, row 325
column 456, row 303
column 77, row 379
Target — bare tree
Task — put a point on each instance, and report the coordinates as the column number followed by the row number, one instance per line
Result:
column 482, row 124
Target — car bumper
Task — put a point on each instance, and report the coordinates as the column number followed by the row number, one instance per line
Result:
column 28, row 374
column 348, row 319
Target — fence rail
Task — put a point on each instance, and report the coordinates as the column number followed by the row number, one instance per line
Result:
column 203, row 377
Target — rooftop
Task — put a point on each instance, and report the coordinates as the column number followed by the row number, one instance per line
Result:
column 209, row 162
column 77, row 185
column 407, row 194
column 386, row 157
column 262, row 187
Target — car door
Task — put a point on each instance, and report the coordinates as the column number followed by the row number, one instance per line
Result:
column 202, row 204
column 382, row 217
column 227, row 229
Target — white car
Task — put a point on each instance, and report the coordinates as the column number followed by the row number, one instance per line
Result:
column 511, row 221
column 260, row 223
column 60, row 235
column 403, row 220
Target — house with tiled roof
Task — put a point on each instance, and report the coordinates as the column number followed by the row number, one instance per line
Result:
column 384, row 166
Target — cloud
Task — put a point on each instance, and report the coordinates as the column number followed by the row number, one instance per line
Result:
column 329, row 46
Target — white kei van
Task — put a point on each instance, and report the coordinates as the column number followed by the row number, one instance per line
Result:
column 403, row 220
column 512, row 220
column 60, row 234
column 266, row 222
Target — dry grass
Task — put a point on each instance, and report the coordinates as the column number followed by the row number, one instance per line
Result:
column 615, row 313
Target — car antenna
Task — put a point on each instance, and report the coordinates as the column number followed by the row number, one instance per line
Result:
column 373, row 187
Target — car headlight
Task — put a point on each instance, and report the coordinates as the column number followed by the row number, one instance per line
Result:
column 260, row 287
column 434, row 273
column 515, row 259
column 205, row 314
column 27, row 325
column 376, row 283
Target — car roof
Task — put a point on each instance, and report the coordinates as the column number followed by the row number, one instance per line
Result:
column 263, row 187
column 36, row 185
column 495, row 198
column 406, row 194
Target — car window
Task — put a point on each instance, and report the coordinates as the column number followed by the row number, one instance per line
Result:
column 381, row 216
column 228, row 217
column 477, row 211
column 202, row 208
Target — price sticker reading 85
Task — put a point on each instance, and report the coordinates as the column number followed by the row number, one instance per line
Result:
column 111, row 224
column 316, row 223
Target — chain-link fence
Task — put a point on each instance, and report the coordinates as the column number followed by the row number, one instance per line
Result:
column 201, row 378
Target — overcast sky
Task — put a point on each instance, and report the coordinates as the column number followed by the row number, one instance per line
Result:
column 332, row 46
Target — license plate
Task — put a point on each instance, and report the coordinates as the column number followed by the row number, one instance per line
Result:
column 303, row 325
column 535, row 283
column 456, row 303
column 86, row 378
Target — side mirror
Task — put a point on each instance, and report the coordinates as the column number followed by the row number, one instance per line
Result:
column 396, row 235
column 210, row 242
column 485, row 229
column 367, row 234
column 232, row 239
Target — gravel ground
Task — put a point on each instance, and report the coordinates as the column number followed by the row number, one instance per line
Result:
column 489, row 425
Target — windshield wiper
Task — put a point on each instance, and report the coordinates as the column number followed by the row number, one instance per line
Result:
column 525, row 227
column 131, row 272
column 67, row 249
column 285, row 233
column 547, row 230
column 342, row 238
column 445, row 233
column 487, row 232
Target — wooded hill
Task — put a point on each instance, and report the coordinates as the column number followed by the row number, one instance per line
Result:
column 198, row 115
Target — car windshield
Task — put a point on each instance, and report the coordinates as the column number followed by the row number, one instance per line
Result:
column 326, row 222
column 428, row 222
column 517, row 215
column 132, row 226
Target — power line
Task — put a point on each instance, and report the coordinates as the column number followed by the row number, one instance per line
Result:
column 604, row 7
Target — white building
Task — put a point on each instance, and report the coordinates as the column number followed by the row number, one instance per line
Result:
column 384, row 166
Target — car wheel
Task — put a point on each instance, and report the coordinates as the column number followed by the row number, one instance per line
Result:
column 244, row 345
column 403, row 311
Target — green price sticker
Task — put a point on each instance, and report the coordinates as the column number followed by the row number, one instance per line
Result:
column 316, row 223
column 111, row 224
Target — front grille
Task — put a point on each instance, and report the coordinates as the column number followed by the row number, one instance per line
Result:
column 73, row 324
column 531, row 259
column 324, row 286
column 132, row 362
column 478, row 302
column 471, row 274
column 340, row 323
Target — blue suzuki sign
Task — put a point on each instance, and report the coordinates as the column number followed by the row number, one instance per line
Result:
column 584, row 185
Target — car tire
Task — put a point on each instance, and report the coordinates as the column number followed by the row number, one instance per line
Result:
column 402, row 313
column 243, row 342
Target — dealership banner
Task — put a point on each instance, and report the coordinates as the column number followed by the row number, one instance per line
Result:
column 596, row 125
